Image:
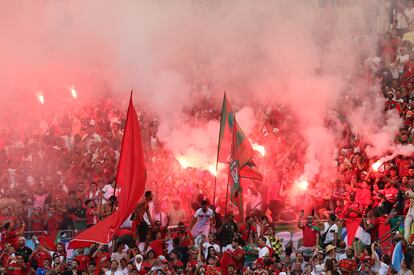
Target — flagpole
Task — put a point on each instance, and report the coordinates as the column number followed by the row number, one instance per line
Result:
column 217, row 159
column 232, row 155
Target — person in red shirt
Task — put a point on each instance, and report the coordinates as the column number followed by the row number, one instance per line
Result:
column 102, row 257
column 39, row 256
column 371, row 224
column 37, row 220
column 91, row 213
column 248, row 230
column 193, row 262
column 185, row 237
column 53, row 220
column 233, row 256
column 82, row 259
column 363, row 195
column 348, row 265
column 212, row 266
column 389, row 194
column 352, row 208
column 17, row 266
column 12, row 236
column 310, row 233
column 139, row 224
column 403, row 164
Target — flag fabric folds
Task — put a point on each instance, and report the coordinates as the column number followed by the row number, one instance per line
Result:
column 226, row 132
column 235, row 149
column 228, row 128
column 131, row 177
column 49, row 239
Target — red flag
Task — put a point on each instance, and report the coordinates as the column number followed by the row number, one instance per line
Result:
column 249, row 171
column 130, row 178
column 49, row 239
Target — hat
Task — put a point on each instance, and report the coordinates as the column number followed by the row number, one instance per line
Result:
column 330, row 247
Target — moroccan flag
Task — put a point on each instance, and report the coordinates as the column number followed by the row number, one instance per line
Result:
column 226, row 132
column 234, row 173
column 228, row 126
column 130, row 179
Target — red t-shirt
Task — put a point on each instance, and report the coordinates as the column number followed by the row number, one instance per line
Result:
column 40, row 257
column 53, row 223
column 19, row 269
column 245, row 231
column 10, row 237
column 192, row 265
column 36, row 222
column 185, row 238
column 83, row 262
column 90, row 217
column 100, row 258
column 309, row 235
column 403, row 166
column 374, row 231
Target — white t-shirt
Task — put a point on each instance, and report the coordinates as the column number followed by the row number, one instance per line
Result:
column 228, row 247
column 109, row 272
column 383, row 270
column 161, row 217
column 108, row 191
column 330, row 235
column 409, row 14
column 401, row 21
column 263, row 251
column 202, row 225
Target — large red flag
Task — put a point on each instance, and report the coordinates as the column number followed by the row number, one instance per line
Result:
column 130, row 178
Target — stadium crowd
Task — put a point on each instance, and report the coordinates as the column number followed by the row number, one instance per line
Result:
column 59, row 177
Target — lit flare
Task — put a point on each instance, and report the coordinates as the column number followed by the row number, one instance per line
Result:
column 302, row 184
column 187, row 162
column 376, row 166
column 41, row 98
column 73, row 92
column 259, row 148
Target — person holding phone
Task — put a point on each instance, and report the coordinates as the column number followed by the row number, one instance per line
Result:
column 310, row 234
column 330, row 232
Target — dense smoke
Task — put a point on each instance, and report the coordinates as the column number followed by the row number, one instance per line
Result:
column 174, row 52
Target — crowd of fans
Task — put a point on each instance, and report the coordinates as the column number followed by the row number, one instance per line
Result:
column 59, row 175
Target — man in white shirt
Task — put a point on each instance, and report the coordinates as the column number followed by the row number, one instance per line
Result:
column 201, row 220
column 382, row 266
column 263, row 249
column 159, row 215
column 209, row 243
column 108, row 191
column 91, row 136
column 114, row 269
column 330, row 231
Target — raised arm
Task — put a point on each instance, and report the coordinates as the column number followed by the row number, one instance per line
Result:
column 300, row 225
